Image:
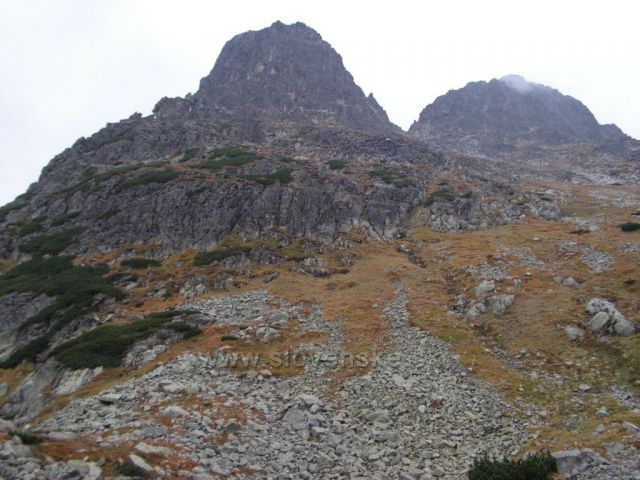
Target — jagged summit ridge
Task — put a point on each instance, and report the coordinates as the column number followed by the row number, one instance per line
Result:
column 506, row 114
column 288, row 72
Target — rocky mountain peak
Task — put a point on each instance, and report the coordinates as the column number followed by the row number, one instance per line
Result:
column 520, row 84
column 288, row 72
column 508, row 114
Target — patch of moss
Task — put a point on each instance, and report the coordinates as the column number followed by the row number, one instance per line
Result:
column 50, row 244
column 28, row 438
column 161, row 176
column 62, row 219
column 106, row 346
column 140, row 263
column 93, row 182
column 10, row 207
column 228, row 156
column 124, row 135
column 442, row 194
column 282, row 176
column 218, row 254
column 128, row 469
column 630, row 226
column 631, row 359
column 189, row 153
column 336, row 164
column 390, row 177
column 30, row 226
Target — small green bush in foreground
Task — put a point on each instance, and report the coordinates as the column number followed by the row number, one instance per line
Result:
column 539, row 466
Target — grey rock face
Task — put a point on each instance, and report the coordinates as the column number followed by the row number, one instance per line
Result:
column 15, row 309
column 501, row 116
column 288, row 72
column 72, row 380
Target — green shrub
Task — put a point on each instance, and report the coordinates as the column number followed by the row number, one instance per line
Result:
column 336, row 164
column 30, row 226
column 282, row 176
column 107, row 346
column 228, row 338
column 28, row 438
column 207, row 258
column 62, row 219
column 445, row 195
column 128, row 469
column 539, row 466
column 140, row 263
column 93, row 182
column 161, row 176
column 189, row 153
column 50, row 244
column 10, row 207
column 228, row 156
column 74, row 288
column 230, row 152
column 630, row 227
column 397, row 179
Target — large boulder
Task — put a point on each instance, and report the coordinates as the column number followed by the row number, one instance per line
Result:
column 607, row 320
column 498, row 304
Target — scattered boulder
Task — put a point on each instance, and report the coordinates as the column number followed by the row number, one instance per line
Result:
column 572, row 462
column 267, row 334
column 145, row 448
column 575, row 334
column 499, row 304
column 278, row 319
column 606, row 319
column 565, row 281
column 140, row 463
column 476, row 310
column 270, row 277
column 486, row 287
column 109, row 398
column 173, row 411
column 193, row 287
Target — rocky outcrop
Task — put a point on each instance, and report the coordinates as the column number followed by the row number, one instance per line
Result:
column 15, row 310
column 606, row 319
column 508, row 115
column 288, row 72
column 448, row 211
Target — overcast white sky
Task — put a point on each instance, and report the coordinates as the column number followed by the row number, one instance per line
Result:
column 67, row 67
